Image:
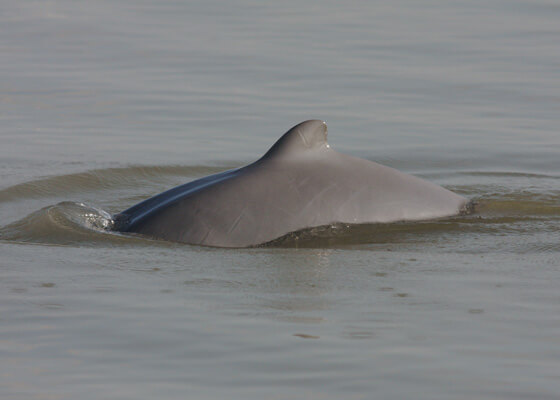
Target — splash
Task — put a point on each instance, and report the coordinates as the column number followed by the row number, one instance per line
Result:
column 65, row 223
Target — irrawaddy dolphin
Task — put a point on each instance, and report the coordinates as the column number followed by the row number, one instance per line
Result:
column 301, row 182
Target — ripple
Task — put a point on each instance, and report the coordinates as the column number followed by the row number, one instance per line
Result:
column 101, row 179
column 496, row 212
column 65, row 223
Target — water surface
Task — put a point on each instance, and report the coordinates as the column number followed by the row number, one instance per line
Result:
column 104, row 104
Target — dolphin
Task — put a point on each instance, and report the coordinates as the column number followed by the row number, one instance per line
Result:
column 301, row 182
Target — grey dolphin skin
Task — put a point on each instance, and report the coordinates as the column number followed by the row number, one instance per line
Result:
column 299, row 183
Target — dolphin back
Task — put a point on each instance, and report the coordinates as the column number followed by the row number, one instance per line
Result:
column 299, row 183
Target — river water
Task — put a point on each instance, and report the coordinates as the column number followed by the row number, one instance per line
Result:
column 103, row 104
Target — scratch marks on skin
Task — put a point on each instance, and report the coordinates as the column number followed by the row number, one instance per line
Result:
column 236, row 221
column 288, row 212
column 293, row 184
column 317, row 195
column 301, row 135
column 208, row 232
column 301, row 184
column 208, row 228
column 352, row 196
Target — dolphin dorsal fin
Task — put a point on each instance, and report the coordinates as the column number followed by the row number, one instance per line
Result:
column 308, row 135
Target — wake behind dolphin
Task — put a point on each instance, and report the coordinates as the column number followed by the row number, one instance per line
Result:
column 301, row 182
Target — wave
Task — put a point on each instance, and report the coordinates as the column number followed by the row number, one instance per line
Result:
column 71, row 223
column 101, row 179
column 66, row 223
column 497, row 212
column 507, row 174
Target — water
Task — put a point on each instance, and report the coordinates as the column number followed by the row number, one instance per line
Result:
column 106, row 103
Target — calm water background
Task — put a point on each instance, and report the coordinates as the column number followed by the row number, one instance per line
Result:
column 109, row 102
